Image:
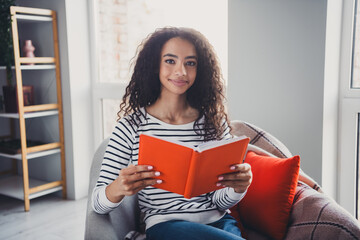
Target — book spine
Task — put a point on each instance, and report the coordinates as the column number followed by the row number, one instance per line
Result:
column 190, row 181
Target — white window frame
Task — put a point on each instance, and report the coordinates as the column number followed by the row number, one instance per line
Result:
column 100, row 90
column 349, row 104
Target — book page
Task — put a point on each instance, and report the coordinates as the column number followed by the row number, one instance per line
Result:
column 210, row 164
column 185, row 144
column 216, row 143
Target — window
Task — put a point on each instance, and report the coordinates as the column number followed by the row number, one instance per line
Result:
column 357, row 166
column 119, row 27
column 355, row 83
column 349, row 120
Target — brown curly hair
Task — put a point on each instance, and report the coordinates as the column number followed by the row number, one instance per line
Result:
column 206, row 94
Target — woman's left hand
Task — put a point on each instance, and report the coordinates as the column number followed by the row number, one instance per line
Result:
column 239, row 179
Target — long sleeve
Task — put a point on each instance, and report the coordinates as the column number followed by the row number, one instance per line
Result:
column 117, row 156
column 225, row 198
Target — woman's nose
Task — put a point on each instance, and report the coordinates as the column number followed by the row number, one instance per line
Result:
column 180, row 70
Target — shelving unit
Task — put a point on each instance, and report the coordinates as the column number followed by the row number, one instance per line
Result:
column 23, row 187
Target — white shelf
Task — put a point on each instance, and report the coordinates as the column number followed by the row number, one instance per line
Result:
column 33, row 18
column 37, row 67
column 30, row 114
column 31, row 155
column 13, row 187
column 32, row 67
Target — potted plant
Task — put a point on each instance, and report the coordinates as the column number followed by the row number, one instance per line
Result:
column 7, row 60
column 6, row 50
column 6, row 44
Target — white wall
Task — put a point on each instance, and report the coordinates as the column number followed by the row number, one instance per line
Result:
column 330, row 150
column 80, row 90
column 276, row 72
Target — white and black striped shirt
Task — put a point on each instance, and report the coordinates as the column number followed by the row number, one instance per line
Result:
column 157, row 204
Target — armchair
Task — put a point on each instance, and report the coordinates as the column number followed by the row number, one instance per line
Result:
column 313, row 216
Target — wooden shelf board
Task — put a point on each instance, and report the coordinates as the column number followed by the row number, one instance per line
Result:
column 30, row 10
column 41, row 107
column 24, row 17
column 30, row 114
column 12, row 186
column 47, row 60
column 31, row 155
column 43, row 147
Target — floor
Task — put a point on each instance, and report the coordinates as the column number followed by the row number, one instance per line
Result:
column 50, row 217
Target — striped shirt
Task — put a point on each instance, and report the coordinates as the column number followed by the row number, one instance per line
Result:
column 158, row 205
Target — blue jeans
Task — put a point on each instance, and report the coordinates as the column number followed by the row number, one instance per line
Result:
column 224, row 229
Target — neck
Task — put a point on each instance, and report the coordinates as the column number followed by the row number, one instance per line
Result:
column 173, row 102
column 173, row 110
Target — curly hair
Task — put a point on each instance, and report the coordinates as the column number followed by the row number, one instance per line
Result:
column 206, row 94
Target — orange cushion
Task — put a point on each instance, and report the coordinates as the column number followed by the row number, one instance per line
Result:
column 266, row 206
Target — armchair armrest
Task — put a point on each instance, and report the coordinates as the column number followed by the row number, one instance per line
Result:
column 120, row 221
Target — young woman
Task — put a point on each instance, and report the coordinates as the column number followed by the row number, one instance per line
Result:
column 175, row 92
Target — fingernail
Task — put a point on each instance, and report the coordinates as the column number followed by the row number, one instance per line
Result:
column 221, row 178
column 157, row 173
column 158, row 181
column 232, row 168
column 150, row 167
column 218, row 184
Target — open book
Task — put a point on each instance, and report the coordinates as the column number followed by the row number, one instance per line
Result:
column 187, row 170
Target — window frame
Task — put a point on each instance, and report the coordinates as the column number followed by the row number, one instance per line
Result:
column 99, row 90
column 349, row 105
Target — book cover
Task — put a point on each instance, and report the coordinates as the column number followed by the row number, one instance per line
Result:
column 187, row 170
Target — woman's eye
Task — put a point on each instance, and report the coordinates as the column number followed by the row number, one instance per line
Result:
column 170, row 61
column 191, row 63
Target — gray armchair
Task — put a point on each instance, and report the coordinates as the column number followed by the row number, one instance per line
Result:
column 313, row 215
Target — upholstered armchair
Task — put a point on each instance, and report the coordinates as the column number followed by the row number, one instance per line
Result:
column 312, row 214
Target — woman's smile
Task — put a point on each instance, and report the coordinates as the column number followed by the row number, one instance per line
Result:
column 179, row 82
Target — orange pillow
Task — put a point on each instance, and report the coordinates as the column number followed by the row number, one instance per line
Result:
column 267, row 204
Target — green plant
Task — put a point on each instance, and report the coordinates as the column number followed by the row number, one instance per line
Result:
column 6, row 44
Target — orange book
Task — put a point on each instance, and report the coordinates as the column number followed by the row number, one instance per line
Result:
column 187, row 170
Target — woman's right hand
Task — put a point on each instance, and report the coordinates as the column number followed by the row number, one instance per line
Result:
column 130, row 181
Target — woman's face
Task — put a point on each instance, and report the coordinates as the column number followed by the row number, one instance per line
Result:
column 178, row 66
